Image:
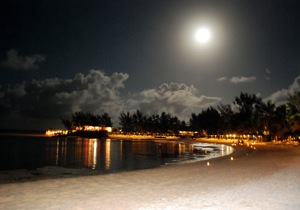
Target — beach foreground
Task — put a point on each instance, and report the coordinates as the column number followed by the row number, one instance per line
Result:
column 264, row 177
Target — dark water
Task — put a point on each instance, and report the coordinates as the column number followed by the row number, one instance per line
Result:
column 28, row 152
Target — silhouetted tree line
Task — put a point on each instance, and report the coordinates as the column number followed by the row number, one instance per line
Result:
column 82, row 119
column 248, row 114
column 163, row 123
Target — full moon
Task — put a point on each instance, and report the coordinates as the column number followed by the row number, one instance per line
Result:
column 202, row 35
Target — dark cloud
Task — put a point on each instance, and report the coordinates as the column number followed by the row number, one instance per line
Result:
column 18, row 62
column 40, row 103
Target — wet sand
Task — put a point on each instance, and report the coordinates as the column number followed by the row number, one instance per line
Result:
column 264, row 177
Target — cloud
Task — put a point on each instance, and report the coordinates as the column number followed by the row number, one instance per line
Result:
column 238, row 79
column 220, row 79
column 18, row 62
column 177, row 99
column 40, row 103
column 242, row 79
column 280, row 96
column 267, row 77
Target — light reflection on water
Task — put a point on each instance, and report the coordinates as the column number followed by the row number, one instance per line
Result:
column 105, row 155
column 95, row 154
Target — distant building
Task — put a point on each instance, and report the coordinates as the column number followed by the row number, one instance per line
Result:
column 188, row 133
column 93, row 128
column 52, row 132
column 87, row 128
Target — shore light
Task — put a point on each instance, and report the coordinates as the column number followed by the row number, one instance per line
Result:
column 208, row 164
column 231, row 158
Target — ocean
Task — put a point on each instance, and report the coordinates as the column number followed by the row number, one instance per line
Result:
column 105, row 155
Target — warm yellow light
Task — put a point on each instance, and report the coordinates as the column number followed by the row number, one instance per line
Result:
column 51, row 132
column 231, row 158
column 95, row 144
column 208, row 164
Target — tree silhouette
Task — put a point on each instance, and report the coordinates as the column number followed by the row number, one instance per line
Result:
column 139, row 121
column 293, row 111
column 126, row 122
column 228, row 120
column 208, row 120
column 248, row 107
column 248, row 114
column 81, row 119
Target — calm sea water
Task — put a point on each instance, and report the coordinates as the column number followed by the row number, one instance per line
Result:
column 29, row 152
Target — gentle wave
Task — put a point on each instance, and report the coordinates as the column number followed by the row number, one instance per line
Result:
column 203, row 151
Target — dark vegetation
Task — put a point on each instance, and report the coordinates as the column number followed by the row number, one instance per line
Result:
column 80, row 119
column 248, row 114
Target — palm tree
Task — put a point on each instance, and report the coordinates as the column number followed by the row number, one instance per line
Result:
column 104, row 119
column 139, row 121
column 227, row 121
column 265, row 117
column 81, row 119
column 126, row 121
column 293, row 110
column 67, row 123
column 248, row 107
column 208, row 120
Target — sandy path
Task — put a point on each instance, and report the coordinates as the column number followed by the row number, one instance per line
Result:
column 265, row 178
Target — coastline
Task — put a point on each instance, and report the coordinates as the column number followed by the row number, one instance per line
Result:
column 262, row 178
column 56, row 172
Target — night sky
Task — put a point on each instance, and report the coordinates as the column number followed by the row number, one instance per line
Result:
column 59, row 57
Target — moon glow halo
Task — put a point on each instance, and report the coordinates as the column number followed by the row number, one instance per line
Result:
column 202, row 35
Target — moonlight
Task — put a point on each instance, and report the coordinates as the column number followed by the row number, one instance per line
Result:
column 202, row 35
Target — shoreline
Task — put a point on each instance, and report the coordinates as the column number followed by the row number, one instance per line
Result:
column 266, row 177
column 57, row 172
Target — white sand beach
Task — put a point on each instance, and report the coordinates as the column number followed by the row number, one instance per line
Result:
column 267, row 177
